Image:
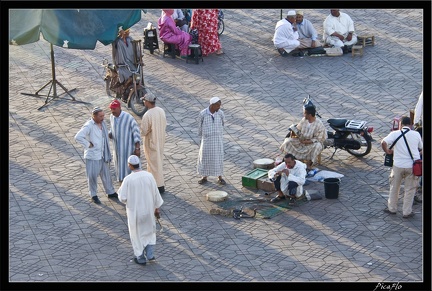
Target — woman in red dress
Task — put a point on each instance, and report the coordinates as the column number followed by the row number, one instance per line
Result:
column 206, row 22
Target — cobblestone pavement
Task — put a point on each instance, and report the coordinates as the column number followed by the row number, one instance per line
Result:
column 57, row 235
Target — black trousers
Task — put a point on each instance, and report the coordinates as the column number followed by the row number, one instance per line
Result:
column 292, row 186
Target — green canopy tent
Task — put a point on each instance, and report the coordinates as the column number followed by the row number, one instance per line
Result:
column 67, row 28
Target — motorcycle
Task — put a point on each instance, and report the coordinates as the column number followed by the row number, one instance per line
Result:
column 352, row 136
column 130, row 91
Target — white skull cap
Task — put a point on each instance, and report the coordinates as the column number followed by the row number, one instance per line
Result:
column 214, row 100
column 133, row 160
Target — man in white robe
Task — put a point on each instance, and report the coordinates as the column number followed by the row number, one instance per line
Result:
column 288, row 178
column 339, row 30
column 211, row 153
column 142, row 198
column 285, row 37
column 153, row 130
column 125, row 135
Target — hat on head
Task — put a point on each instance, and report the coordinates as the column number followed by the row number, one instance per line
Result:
column 214, row 100
column 299, row 12
column 115, row 104
column 149, row 98
column 133, row 160
column 291, row 13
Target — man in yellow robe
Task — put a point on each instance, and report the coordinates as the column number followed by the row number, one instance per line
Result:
column 153, row 126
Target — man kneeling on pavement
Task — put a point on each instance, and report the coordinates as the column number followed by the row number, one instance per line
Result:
column 287, row 178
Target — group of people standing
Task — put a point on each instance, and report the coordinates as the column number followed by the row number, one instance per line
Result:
column 141, row 190
column 174, row 29
column 294, row 34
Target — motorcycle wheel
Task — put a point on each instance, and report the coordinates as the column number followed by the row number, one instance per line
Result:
column 366, row 145
column 221, row 26
column 136, row 104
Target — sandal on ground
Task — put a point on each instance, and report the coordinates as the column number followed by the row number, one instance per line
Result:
column 202, row 180
column 221, row 181
column 277, row 199
column 219, row 52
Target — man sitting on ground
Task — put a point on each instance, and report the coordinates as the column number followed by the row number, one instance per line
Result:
column 308, row 36
column 339, row 30
column 288, row 176
column 285, row 38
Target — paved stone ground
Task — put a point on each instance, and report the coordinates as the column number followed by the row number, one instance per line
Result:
column 57, row 235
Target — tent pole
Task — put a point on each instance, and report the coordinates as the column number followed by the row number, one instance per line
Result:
column 53, row 83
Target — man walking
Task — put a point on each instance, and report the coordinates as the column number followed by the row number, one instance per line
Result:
column 93, row 135
column 153, row 126
column 402, row 166
column 211, row 153
column 126, row 138
column 142, row 198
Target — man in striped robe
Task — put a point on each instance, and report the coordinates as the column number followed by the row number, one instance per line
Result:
column 125, row 135
column 310, row 141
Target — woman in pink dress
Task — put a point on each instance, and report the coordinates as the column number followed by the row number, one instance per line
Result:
column 206, row 22
column 169, row 33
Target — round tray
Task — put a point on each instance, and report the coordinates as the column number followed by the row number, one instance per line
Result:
column 217, row 196
column 264, row 164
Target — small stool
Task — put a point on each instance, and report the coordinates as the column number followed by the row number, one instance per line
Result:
column 357, row 50
column 151, row 40
column 195, row 53
column 169, row 49
column 366, row 40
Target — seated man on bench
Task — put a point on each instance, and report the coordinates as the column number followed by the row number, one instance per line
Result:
column 169, row 33
column 308, row 143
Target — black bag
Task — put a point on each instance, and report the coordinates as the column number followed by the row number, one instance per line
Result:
column 180, row 22
column 195, row 35
column 317, row 51
column 388, row 160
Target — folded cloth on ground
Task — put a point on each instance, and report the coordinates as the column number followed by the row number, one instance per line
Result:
column 321, row 175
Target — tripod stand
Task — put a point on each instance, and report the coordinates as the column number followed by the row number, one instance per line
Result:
column 53, row 87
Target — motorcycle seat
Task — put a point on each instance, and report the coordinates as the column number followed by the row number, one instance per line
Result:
column 337, row 122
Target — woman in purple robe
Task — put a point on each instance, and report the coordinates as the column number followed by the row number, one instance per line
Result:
column 169, row 33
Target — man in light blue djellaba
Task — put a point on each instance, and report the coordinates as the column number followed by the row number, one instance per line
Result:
column 308, row 36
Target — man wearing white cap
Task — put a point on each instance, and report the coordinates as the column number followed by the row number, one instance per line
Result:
column 141, row 195
column 211, row 153
column 153, row 126
column 285, row 38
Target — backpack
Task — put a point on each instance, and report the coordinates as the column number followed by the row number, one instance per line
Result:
column 194, row 33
